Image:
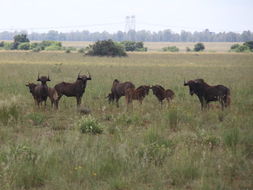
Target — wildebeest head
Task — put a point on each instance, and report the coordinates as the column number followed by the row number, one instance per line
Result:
column 193, row 85
column 43, row 79
column 84, row 78
column 31, row 87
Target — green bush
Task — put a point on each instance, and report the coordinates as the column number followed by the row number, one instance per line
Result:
column 199, row 47
column 24, row 46
column 67, row 51
column 133, row 46
column 171, row 49
column 89, row 125
column 249, row 44
column 8, row 45
column 81, row 50
column 240, row 48
column 2, row 44
column 53, row 48
column 188, row 49
column 106, row 48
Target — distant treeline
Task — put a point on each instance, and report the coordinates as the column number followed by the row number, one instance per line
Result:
column 143, row 35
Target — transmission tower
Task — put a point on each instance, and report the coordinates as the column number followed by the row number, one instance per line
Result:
column 130, row 23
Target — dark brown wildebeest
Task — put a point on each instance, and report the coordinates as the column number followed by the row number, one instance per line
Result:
column 207, row 93
column 162, row 94
column 139, row 93
column 75, row 89
column 120, row 89
column 31, row 87
column 41, row 90
column 52, row 94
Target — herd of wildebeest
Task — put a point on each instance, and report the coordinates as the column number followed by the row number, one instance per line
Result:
column 204, row 91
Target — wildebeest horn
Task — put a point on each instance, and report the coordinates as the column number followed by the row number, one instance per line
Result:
column 38, row 75
column 185, row 84
column 79, row 74
column 89, row 74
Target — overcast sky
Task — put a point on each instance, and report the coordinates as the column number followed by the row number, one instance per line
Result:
column 110, row 15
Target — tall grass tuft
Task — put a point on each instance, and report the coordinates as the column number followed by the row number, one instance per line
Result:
column 9, row 113
column 89, row 125
column 231, row 138
column 172, row 119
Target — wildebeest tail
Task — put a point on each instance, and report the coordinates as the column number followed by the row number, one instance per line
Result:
column 227, row 98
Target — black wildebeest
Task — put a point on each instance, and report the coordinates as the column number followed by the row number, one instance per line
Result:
column 162, row 94
column 120, row 89
column 139, row 93
column 41, row 90
column 207, row 93
column 52, row 94
column 75, row 89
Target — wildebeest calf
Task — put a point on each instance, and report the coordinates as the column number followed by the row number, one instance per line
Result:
column 162, row 94
column 138, row 93
column 207, row 93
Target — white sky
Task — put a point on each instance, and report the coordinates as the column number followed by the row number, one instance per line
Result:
column 109, row 15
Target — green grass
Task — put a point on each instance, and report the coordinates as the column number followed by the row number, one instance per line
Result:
column 175, row 146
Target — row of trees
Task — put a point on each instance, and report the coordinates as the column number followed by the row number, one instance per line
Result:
column 143, row 35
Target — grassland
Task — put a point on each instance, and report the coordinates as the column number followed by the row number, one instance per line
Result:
column 173, row 147
column 157, row 46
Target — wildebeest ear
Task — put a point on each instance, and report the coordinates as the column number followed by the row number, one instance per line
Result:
column 26, row 84
column 89, row 78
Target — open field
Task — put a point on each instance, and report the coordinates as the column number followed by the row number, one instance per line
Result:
column 157, row 46
column 151, row 147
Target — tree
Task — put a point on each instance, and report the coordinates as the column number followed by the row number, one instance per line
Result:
column 18, row 39
column 199, row 47
column 249, row 44
column 106, row 48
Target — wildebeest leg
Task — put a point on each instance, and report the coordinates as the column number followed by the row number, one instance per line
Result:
column 168, row 100
column 78, row 101
column 117, row 101
column 57, row 101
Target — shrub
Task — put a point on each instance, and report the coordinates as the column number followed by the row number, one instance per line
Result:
column 249, row 44
column 2, row 44
column 234, row 46
column 81, row 50
column 24, row 46
column 8, row 46
column 106, row 48
column 188, row 49
column 53, row 48
column 199, row 47
column 171, row 49
column 89, row 125
column 67, row 51
column 134, row 46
